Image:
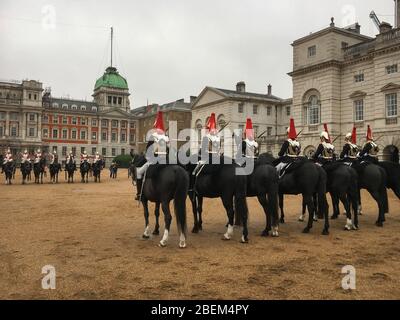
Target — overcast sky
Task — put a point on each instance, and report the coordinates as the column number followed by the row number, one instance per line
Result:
column 167, row 49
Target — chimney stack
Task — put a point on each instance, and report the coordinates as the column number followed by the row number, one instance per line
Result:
column 269, row 89
column 241, row 87
column 192, row 99
column 397, row 13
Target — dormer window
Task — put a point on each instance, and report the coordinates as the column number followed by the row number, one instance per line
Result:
column 74, row 107
column 312, row 51
column 83, row 108
column 64, row 106
column 55, row 105
column 94, row 109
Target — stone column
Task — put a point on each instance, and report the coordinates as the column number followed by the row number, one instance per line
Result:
column 24, row 125
column 7, row 128
column 39, row 127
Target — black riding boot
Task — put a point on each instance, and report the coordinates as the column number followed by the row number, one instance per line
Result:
column 139, row 188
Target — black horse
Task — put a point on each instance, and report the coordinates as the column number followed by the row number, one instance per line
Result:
column 393, row 176
column 219, row 181
column 70, row 168
column 26, row 168
column 306, row 178
column 8, row 169
column 263, row 184
column 85, row 168
column 374, row 179
column 165, row 183
column 342, row 184
column 97, row 167
column 38, row 170
column 55, row 168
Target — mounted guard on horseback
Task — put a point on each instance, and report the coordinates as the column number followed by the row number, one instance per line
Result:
column 55, row 167
column 290, row 150
column 8, row 166
column 325, row 153
column 98, row 164
column 84, row 167
column 26, row 166
column 160, row 182
column 370, row 149
column 70, row 166
column 350, row 150
column 39, row 166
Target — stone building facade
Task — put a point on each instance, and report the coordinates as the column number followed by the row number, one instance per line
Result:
column 270, row 114
column 32, row 119
column 343, row 78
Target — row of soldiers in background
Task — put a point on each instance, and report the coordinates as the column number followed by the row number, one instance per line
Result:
column 38, row 155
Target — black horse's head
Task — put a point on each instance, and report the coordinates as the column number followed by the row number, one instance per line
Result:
column 138, row 159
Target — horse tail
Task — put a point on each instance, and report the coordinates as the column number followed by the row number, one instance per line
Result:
column 323, row 206
column 181, row 190
column 240, row 199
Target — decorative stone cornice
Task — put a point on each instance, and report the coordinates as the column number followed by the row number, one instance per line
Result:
column 390, row 87
column 316, row 67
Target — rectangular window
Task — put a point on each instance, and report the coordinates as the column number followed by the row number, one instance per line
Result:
column 65, row 134
column 119, row 100
column 73, row 134
column 113, row 152
column 65, row 120
column 359, row 110
column 31, row 132
column 123, row 137
column 132, row 137
column 94, row 123
column 240, row 108
column 114, row 100
column 1, row 131
column 113, row 137
column 64, row 151
column 104, row 123
column 55, row 119
column 82, row 149
column 55, row 133
column 391, row 105
column 73, row 120
column 269, row 110
column 55, row 148
column 104, row 136
column 30, row 96
column 312, row 51
column 14, row 116
column 45, row 133
column 123, row 151
column 94, row 135
column 109, row 99
column 114, row 123
column 93, row 150
column 74, row 151
column 391, row 69
column 104, row 151
column 288, row 111
column 359, row 77
column 123, row 124
column 344, row 44
column 45, row 119
column 14, row 131
column 255, row 109
column 31, row 117
column 83, row 135
column 269, row 131
column 133, row 125
column 83, row 121
column 2, row 115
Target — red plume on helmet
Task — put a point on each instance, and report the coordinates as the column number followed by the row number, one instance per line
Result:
column 211, row 124
column 159, row 123
column 249, row 130
column 354, row 135
column 326, row 130
column 369, row 134
column 292, row 130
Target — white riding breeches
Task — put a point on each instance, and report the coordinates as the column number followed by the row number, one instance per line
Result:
column 142, row 170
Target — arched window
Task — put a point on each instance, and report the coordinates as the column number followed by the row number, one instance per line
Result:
column 64, row 106
column 221, row 121
column 83, row 108
column 312, row 108
column 55, row 105
column 94, row 109
column 74, row 107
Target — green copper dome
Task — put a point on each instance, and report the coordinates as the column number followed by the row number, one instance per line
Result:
column 111, row 78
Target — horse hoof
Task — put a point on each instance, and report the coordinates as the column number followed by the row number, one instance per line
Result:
column 355, row 227
column 347, row 228
column 244, row 240
column 195, row 230
column 275, row 234
column 145, row 236
column 182, row 244
column 282, row 220
column 379, row 224
column 226, row 237
column 306, row 230
column 301, row 220
column 162, row 244
column 265, row 233
column 325, row 233
column 156, row 232
column 334, row 217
